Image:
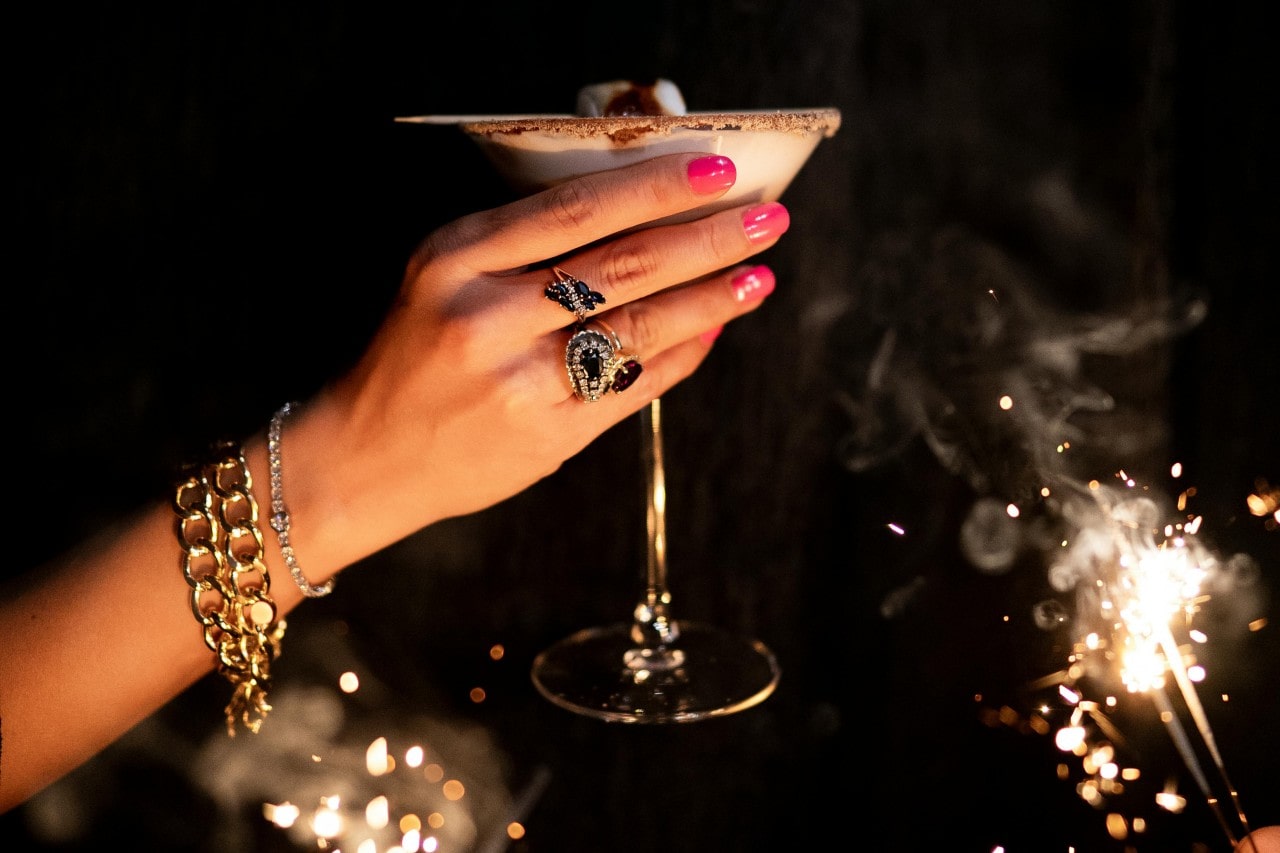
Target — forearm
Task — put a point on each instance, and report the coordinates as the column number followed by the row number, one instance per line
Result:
column 105, row 636
column 102, row 638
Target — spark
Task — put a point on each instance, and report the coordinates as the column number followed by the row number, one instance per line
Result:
column 1264, row 501
column 1171, row 801
column 377, row 812
column 376, row 760
column 327, row 822
column 1141, row 578
column 283, row 815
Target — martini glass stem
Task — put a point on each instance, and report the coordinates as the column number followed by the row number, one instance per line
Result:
column 655, row 669
column 653, row 627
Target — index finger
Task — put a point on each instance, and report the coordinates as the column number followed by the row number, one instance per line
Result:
column 579, row 212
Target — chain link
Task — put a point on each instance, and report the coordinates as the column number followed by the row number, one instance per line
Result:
column 230, row 587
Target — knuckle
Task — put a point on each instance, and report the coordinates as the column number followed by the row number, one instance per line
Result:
column 463, row 335
column 661, row 195
column 520, row 391
column 720, row 242
column 625, row 267
column 573, row 205
column 645, row 328
column 428, row 253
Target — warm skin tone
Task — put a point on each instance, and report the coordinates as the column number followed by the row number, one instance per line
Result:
column 429, row 425
column 1263, row 840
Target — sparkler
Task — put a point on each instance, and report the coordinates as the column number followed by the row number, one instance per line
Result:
column 1136, row 578
column 349, row 765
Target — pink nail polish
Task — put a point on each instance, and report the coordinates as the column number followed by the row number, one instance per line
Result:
column 711, row 334
column 755, row 283
column 711, row 174
column 766, row 220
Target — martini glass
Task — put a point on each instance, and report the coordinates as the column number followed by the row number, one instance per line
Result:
column 653, row 667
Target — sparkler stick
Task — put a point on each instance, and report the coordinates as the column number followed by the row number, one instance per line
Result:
column 1183, row 743
column 1201, row 720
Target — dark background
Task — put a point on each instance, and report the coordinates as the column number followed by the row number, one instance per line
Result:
column 212, row 208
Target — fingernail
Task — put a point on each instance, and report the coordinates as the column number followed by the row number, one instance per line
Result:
column 712, row 174
column 765, row 220
column 711, row 334
column 755, row 283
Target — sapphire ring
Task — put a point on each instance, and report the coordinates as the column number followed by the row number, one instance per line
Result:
column 596, row 362
column 572, row 294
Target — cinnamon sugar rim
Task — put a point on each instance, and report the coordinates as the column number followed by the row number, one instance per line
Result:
column 824, row 119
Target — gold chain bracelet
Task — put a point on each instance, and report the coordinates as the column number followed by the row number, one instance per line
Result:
column 230, row 587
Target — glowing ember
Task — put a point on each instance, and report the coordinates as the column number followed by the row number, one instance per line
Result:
column 283, row 815
column 1265, row 501
column 327, row 822
column 377, row 813
column 1069, row 737
column 1137, row 579
column 376, row 760
column 1117, row 826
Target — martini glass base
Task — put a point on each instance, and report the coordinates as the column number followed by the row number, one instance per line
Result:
column 708, row 672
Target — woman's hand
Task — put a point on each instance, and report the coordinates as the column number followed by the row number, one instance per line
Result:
column 464, row 399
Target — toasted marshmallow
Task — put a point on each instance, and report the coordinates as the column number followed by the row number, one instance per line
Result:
column 628, row 98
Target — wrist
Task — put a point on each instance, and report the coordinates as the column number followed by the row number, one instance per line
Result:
column 343, row 499
column 279, row 519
